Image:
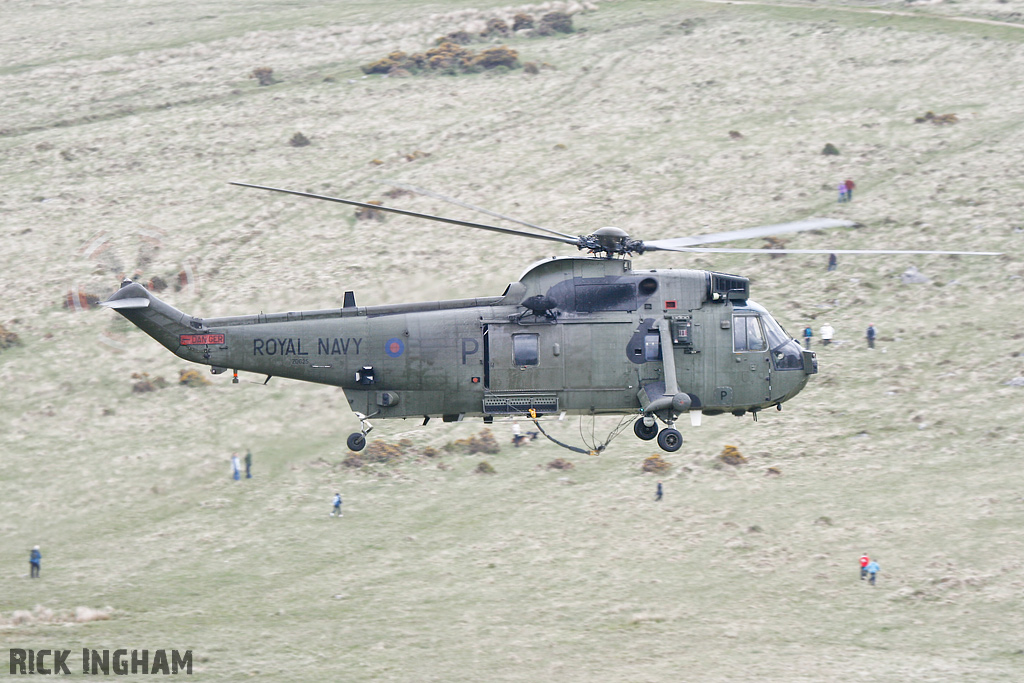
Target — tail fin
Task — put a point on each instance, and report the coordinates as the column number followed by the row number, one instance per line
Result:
column 159, row 320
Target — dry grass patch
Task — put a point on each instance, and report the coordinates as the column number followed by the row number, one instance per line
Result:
column 41, row 615
column 264, row 75
column 484, row 442
column 937, row 119
column 144, row 383
column 449, row 58
column 8, row 338
column 560, row 464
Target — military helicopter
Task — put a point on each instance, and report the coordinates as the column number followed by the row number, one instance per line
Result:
column 574, row 335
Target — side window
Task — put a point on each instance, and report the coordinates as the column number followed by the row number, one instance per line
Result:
column 525, row 349
column 755, row 338
column 739, row 334
column 747, row 334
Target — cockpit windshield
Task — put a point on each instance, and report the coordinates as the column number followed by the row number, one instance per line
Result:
column 786, row 351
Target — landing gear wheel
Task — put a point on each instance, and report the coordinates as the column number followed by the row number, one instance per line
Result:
column 356, row 441
column 643, row 431
column 670, row 440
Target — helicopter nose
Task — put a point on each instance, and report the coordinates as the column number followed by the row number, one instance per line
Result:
column 810, row 363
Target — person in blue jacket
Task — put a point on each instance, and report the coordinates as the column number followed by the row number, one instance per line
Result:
column 34, row 559
column 872, row 569
column 337, row 505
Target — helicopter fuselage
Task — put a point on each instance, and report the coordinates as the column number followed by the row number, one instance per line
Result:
column 573, row 335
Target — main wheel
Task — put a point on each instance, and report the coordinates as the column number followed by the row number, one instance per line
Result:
column 643, row 431
column 356, row 441
column 670, row 439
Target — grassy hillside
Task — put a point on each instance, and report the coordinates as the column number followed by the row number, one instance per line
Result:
column 120, row 131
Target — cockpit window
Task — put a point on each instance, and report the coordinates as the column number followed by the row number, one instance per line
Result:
column 776, row 335
column 746, row 334
column 786, row 352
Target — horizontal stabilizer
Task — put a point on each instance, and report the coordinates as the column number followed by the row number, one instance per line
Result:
column 134, row 302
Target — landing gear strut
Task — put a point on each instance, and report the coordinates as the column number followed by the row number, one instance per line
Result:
column 357, row 440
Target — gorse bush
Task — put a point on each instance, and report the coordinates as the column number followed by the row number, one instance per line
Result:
column 192, row 378
column 731, row 455
column 655, row 464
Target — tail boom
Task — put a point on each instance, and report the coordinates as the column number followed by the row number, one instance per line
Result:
column 159, row 320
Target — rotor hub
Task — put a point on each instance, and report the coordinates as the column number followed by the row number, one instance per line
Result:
column 611, row 241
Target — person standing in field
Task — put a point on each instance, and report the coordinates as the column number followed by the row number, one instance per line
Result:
column 827, row 332
column 337, row 505
column 235, row 467
column 872, row 569
column 849, row 189
column 864, row 561
column 248, row 464
column 870, row 335
column 35, row 558
column 808, row 333
column 659, row 492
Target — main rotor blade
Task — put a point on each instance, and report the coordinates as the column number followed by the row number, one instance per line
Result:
column 748, row 233
column 769, row 251
column 466, row 205
column 481, row 226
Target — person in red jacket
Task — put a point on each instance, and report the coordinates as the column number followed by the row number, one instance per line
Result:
column 864, row 560
column 849, row 189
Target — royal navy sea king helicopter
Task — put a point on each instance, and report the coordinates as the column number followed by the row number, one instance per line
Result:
column 574, row 335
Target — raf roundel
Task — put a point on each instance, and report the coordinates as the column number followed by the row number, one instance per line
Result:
column 394, row 347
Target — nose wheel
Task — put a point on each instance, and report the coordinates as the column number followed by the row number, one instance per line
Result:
column 670, row 439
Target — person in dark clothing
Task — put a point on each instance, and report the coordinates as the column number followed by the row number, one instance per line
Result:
column 248, row 464
column 657, row 496
column 337, row 505
column 832, row 262
column 34, row 560
column 871, row 334
column 808, row 333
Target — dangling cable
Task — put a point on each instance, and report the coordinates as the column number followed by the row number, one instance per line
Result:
column 596, row 449
column 574, row 449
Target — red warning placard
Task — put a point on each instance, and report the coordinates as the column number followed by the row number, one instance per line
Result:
column 200, row 339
